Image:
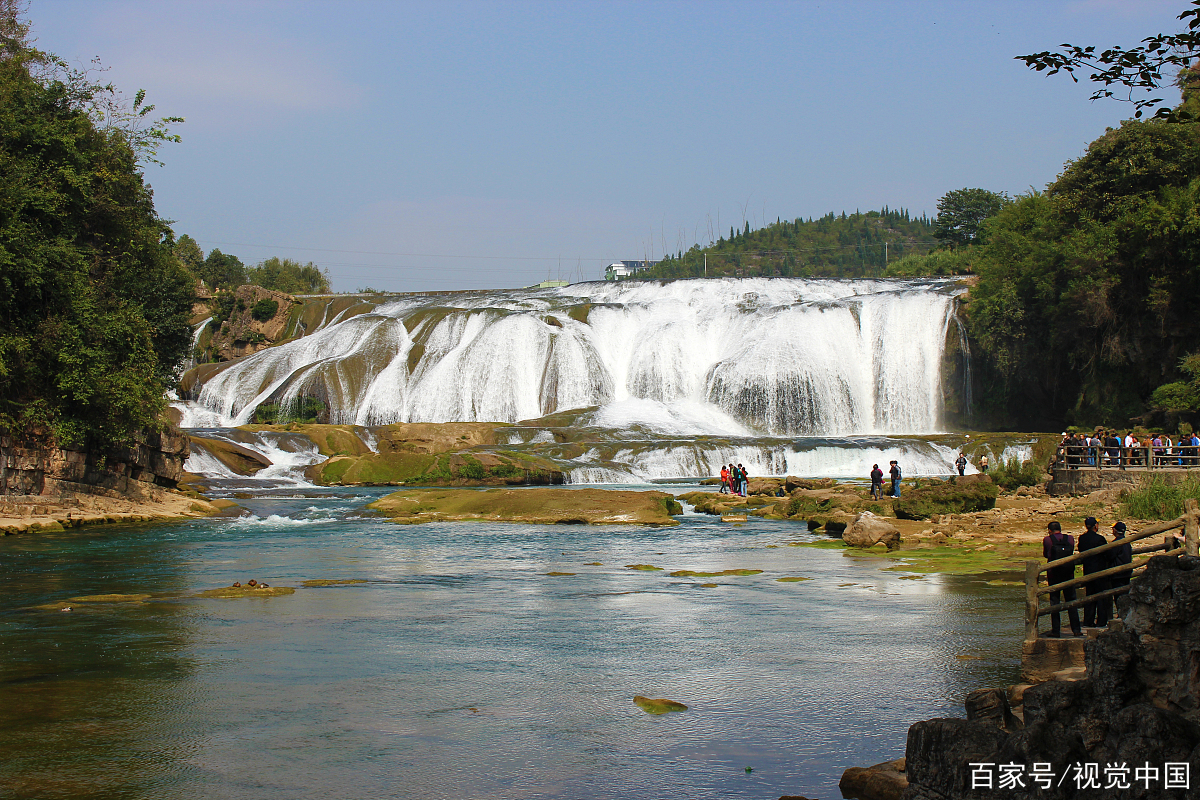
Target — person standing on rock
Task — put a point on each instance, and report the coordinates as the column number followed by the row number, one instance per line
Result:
column 876, row 482
column 724, row 479
column 961, row 463
column 743, row 481
column 894, row 473
column 1058, row 545
column 1095, row 612
column 1119, row 557
column 983, row 464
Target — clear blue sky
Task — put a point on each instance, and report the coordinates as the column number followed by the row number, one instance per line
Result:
column 471, row 145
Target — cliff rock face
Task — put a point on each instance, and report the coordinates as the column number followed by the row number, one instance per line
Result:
column 1138, row 707
column 242, row 334
column 155, row 461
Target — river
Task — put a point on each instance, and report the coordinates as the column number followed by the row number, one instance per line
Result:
column 460, row 669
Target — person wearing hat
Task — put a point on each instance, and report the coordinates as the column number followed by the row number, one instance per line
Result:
column 1095, row 612
column 1118, row 557
column 1058, row 545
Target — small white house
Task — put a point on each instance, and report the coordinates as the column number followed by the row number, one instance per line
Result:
column 625, row 269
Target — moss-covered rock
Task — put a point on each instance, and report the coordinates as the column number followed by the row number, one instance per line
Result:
column 958, row 495
column 239, row 459
column 658, row 706
column 536, row 505
column 687, row 573
column 248, row 591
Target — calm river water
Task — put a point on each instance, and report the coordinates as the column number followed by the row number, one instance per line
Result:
column 460, row 669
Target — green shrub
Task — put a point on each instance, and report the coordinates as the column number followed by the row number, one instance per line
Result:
column 307, row 410
column 1157, row 499
column 1013, row 473
column 505, row 470
column 222, row 310
column 264, row 310
column 472, row 470
column 954, row 496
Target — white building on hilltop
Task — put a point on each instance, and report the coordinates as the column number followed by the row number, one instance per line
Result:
column 625, row 269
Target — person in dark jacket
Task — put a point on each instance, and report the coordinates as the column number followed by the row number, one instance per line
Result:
column 894, row 473
column 1058, row 545
column 876, row 482
column 1120, row 556
column 1095, row 612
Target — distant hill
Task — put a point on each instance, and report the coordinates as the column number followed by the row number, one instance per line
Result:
column 842, row 246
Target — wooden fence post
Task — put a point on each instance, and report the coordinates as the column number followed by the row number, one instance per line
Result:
column 1032, row 570
column 1191, row 526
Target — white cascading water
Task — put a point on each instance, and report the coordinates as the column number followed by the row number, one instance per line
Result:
column 776, row 357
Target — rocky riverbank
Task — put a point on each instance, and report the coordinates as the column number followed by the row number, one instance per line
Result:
column 44, row 487
column 1085, row 733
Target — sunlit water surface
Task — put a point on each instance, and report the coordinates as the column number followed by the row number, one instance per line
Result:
column 462, row 670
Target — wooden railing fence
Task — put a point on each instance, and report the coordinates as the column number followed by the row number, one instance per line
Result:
column 1139, row 457
column 1189, row 522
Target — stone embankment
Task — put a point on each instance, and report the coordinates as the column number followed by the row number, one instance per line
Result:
column 1135, row 705
column 46, row 487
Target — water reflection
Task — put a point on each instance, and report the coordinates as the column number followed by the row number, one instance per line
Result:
column 460, row 669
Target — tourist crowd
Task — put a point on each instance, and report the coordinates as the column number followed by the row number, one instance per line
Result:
column 1106, row 448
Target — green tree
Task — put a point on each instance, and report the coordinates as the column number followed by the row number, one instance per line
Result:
column 1085, row 302
column 285, row 275
column 221, row 271
column 961, row 214
column 94, row 305
column 189, row 254
column 844, row 246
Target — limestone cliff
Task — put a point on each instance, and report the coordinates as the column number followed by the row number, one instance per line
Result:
column 39, row 470
column 248, row 320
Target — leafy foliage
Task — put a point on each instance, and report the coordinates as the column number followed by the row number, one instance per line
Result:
column 1180, row 395
column 263, row 310
column 1014, row 473
column 848, row 246
column 303, row 410
column 220, row 271
column 1133, row 69
column 93, row 304
column 189, row 254
column 937, row 263
column 1086, row 292
column 292, row 277
column 1157, row 499
column 962, row 212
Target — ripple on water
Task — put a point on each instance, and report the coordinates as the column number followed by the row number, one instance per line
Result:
column 462, row 668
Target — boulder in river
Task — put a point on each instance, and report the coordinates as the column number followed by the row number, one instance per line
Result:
column 868, row 530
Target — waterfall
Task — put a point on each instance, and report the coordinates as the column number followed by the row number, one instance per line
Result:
column 964, row 345
column 781, row 357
